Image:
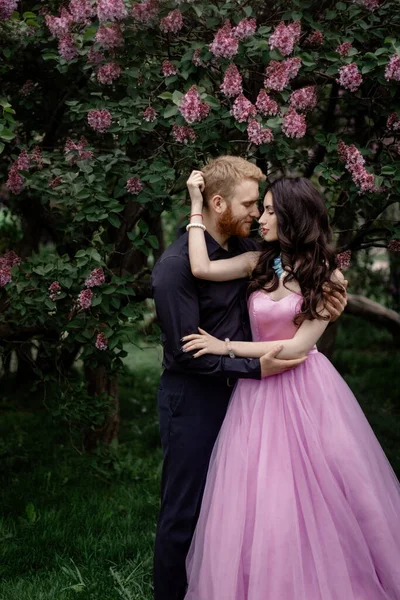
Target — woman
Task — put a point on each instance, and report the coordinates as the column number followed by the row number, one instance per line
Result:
column 300, row 501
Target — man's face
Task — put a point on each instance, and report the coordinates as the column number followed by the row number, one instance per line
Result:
column 241, row 210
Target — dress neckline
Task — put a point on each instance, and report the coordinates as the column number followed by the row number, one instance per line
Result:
column 280, row 299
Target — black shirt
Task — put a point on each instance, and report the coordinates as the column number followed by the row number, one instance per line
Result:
column 184, row 303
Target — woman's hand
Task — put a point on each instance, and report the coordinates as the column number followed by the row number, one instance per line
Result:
column 195, row 185
column 204, row 343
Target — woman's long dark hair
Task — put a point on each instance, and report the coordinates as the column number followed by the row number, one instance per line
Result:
column 304, row 236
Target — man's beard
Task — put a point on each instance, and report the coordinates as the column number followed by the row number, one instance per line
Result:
column 228, row 225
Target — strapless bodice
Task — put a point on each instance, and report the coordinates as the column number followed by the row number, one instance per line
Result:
column 272, row 320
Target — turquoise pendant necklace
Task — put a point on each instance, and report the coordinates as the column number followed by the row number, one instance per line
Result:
column 277, row 266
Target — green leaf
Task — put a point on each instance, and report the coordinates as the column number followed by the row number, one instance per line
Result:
column 7, row 135
column 2, row 146
column 97, row 300
column 114, row 220
column 177, row 97
column 170, row 112
column 330, row 14
column 165, row 96
column 30, row 512
column 50, row 56
column 153, row 241
column 388, row 170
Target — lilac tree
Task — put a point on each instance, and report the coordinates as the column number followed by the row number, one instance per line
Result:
column 106, row 107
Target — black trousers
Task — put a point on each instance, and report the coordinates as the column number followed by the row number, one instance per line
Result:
column 191, row 411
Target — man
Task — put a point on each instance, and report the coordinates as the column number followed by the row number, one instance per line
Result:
column 194, row 393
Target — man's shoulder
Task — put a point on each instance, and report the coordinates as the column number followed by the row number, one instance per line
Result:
column 178, row 249
column 176, row 256
column 247, row 244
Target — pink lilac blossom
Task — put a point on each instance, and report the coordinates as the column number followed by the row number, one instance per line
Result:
column 134, row 185
column 111, row 10
column 59, row 26
column 224, row 44
column 37, row 157
column 343, row 260
column 27, row 88
column 168, row 69
column 81, row 10
column 232, row 83
column 295, row 28
column 243, row 109
column 278, row 74
column 76, row 151
column 294, row 124
column 191, row 107
column 54, row 290
column 95, row 56
column 304, row 98
column 258, row 134
column 349, row 77
column 344, row 48
column 101, row 342
column 172, row 23
column 100, row 120
column 146, row 11
column 109, row 36
column 54, row 183
column 392, row 70
column 266, row 105
column 67, row 47
column 369, row 4
column 108, row 73
column 95, row 278
column 150, row 114
column 394, row 246
column 315, row 38
column 285, row 37
column 15, row 182
column 7, row 7
column 7, row 262
column 196, row 60
column 244, row 29
column 355, row 165
column 393, row 122
column 85, row 299
column 183, row 134
column 23, row 161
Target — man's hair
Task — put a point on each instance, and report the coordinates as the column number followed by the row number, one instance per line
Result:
column 222, row 174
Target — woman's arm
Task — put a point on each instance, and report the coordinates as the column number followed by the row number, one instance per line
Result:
column 305, row 338
column 201, row 266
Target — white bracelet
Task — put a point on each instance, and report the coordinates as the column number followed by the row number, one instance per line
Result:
column 203, row 227
column 229, row 348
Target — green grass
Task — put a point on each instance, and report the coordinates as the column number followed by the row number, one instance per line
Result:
column 77, row 526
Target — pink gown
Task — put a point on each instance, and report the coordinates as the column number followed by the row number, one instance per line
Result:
column 300, row 502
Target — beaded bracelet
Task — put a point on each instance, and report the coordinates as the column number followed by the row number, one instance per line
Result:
column 189, row 225
column 229, row 347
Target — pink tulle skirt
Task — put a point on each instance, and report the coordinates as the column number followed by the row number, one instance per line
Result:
column 300, row 501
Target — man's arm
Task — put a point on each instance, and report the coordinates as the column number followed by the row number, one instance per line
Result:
column 177, row 306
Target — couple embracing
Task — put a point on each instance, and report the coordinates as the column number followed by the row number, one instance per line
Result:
column 274, row 486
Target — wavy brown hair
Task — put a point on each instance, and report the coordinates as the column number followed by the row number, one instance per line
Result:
column 303, row 241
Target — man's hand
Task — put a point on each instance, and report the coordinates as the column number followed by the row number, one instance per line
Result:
column 336, row 302
column 270, row 365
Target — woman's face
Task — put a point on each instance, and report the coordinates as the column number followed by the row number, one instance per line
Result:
column 268, row 221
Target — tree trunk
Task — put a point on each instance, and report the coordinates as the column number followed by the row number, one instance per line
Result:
column 326, row 344
column 375, row 313
column 99, row 383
